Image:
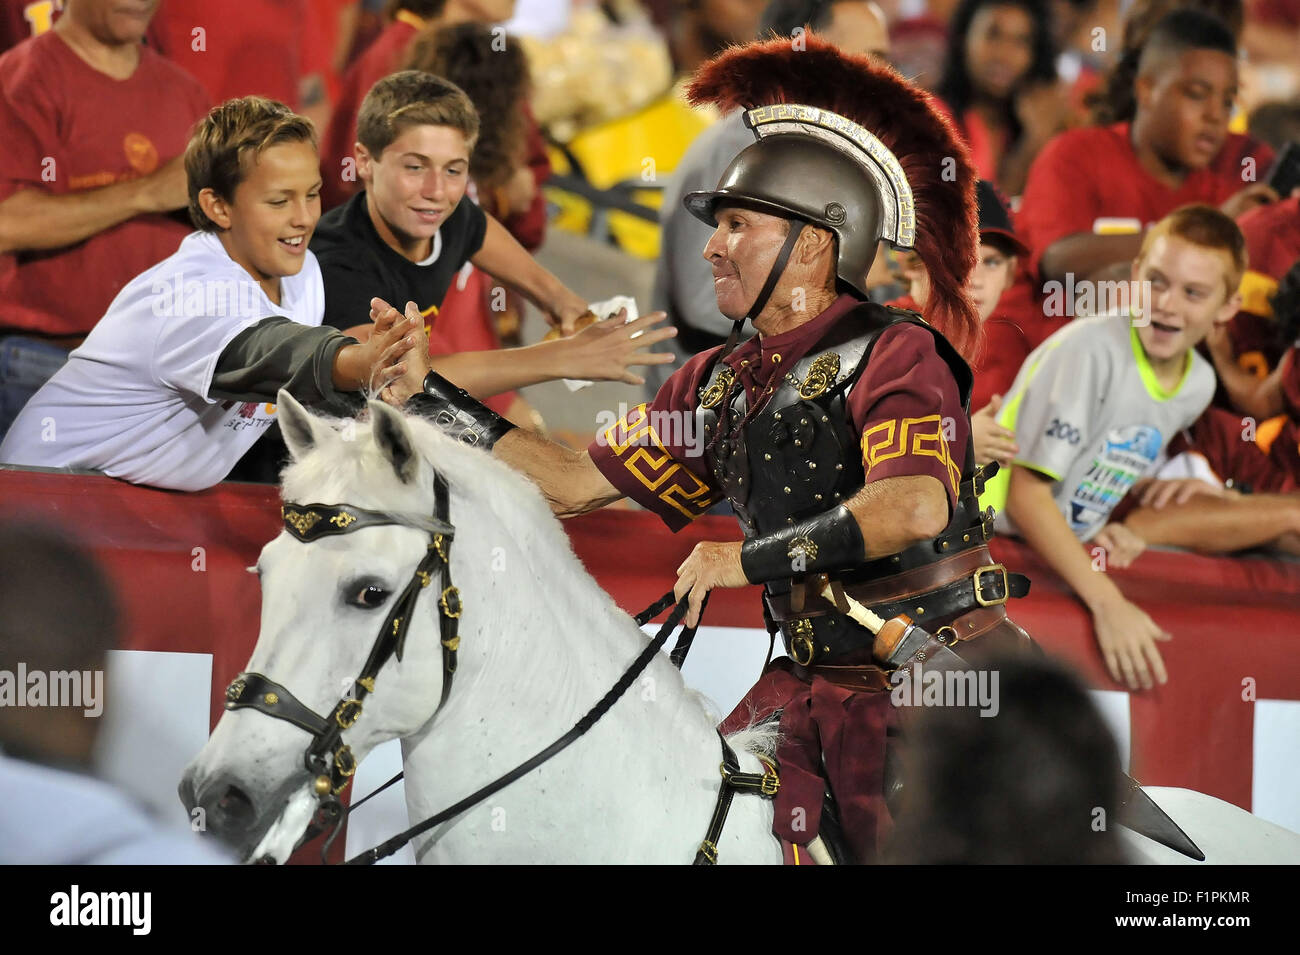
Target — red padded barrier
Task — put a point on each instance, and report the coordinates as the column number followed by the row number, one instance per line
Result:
column 1231, row 619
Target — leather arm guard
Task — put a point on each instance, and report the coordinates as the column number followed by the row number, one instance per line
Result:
column 827, row 542
column 458, row 414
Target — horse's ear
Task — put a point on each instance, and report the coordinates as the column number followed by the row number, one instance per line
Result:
column 394, row 440
column 298, row 427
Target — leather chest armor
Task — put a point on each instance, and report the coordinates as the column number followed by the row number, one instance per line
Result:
column 798, row 456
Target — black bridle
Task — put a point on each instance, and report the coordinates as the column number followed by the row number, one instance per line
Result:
column 310, row 522
column 327, row 758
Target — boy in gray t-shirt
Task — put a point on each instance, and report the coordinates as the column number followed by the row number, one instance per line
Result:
column 1094, row 408
column 1090, row 413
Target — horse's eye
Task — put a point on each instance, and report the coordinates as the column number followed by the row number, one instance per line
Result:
column 370, row 597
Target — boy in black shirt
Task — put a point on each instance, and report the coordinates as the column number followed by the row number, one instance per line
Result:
column 405, row 237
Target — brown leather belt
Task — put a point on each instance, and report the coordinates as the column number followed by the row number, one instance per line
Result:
column 910, row 583
column 870, row 678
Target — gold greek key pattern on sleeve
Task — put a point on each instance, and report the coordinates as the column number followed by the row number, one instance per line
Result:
column 639, row 448
column 921, row 437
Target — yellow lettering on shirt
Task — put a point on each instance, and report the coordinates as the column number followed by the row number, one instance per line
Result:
column 40, row 15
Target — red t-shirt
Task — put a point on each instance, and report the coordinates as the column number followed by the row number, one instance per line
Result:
column 1087, row 174
column 902, row 410
column 463, row 323
column 68, row 128
column 1272, row 237
column 1238, row 147
column 23, row 19
column 380, row 58
column 253, row 47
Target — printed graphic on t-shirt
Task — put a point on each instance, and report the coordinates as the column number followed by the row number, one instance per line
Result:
column 1127, row 453
column 141, row 153
column 248, row 414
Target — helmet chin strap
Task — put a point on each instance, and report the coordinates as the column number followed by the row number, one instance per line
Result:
column 773, row 276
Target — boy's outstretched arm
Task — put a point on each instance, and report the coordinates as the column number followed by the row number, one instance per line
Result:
column 568, row 479
column 502, row 257
column 312, row 363
column 1126, row 634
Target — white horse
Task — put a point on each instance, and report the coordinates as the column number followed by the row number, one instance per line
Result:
column 540, row 643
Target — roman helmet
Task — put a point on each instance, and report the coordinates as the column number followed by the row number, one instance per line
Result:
column 845, row 143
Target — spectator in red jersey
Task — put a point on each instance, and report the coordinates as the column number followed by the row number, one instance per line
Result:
column 1115, row 101
column 1001, row 86
column 95, row 124
column 1090, row 182
column 21, row 19
column 250, row 48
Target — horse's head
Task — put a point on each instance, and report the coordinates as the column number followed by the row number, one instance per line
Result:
column 355, row 615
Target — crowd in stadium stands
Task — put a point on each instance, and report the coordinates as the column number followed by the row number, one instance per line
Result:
column 1094, row 125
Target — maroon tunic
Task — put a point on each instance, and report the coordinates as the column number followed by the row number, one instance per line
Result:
column 906, row 414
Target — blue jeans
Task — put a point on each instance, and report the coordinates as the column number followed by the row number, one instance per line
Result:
column 25, row 365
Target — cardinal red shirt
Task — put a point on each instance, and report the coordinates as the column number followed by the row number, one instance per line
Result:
column 1087, row 174
column 253, row 47
column 905, row 413
column 67, row 128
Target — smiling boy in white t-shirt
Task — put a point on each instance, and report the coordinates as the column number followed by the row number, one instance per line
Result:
column 176, row 381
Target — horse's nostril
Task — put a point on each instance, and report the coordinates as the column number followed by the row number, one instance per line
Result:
column 233, row 811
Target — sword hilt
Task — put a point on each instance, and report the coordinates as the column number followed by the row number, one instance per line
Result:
column 889, row 633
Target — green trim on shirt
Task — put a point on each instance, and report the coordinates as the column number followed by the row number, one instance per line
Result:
column 1149, row 379
column 996, row 490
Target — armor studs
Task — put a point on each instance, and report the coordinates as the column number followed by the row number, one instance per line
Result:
column 839, row 467
column 813, row 465
column 787, row 490
column 766, row 456
column 817, row 497
column 777, row 416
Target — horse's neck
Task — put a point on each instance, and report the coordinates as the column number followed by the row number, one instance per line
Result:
column 640, row 785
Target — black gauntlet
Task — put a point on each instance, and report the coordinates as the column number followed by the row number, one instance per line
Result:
column 458, row 414
column 830, row 541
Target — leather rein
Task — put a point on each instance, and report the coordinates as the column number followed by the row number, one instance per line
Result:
column 330, row 761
